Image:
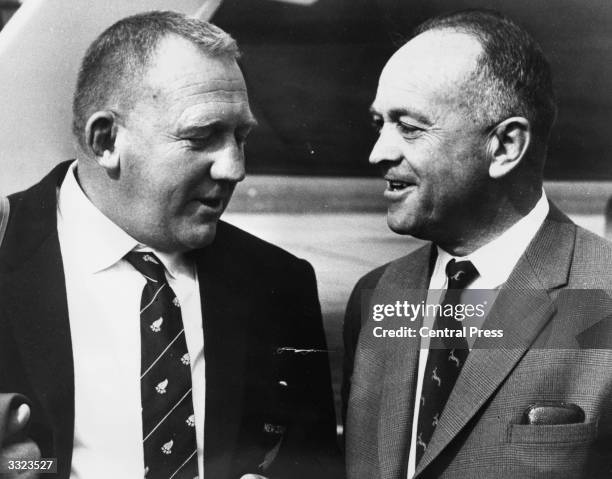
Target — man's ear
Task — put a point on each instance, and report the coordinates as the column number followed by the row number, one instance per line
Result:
column 100, row 135
column 507, row 145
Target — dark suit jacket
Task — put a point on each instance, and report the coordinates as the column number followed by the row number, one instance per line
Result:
column 555, row 311
column 256, row 298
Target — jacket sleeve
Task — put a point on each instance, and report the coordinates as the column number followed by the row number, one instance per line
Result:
column 353, row 321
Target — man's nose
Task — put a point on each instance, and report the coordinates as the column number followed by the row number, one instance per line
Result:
column 228, row 164
column 387, row 147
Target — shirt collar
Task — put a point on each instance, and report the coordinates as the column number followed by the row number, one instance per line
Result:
column 496, row 259
column 95, row 238
column 174, row 263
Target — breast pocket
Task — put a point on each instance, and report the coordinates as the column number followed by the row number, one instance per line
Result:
column 552, row 451
column 557, row 433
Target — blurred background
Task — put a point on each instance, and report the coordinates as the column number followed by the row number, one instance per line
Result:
column 312, row 69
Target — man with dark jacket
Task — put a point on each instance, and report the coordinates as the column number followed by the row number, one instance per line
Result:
column 139, row 334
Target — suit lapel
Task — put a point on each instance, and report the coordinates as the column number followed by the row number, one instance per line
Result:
column 521, row 310
column 408, row 278
column 34, row 295
column 226, row 303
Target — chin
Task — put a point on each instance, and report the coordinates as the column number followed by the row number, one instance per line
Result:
column 411, row 218
column 202, row 236
column 194, row 237
column 409, row 227
column 402, row 225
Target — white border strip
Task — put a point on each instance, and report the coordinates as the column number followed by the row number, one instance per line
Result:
column 5, row 209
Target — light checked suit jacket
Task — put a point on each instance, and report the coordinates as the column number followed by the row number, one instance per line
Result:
column 256, row 298
column 555, row 311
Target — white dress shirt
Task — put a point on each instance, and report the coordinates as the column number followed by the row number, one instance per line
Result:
column 103, row 293
column 494, row 262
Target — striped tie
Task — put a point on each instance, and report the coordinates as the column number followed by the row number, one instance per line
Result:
column 168, row 423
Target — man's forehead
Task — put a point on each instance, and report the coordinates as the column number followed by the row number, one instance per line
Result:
column 429, row 68
column 432, row 58
column 219, row 89
column 178, row 62
column 214, row 107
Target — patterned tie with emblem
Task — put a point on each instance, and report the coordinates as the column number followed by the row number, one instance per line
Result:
column 168, row 423
column 445, row 361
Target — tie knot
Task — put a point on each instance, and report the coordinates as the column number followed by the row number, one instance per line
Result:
column 148, row 265
column 460, row 274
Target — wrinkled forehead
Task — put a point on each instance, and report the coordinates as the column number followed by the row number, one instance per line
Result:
column 222, row 90
column 221, row 100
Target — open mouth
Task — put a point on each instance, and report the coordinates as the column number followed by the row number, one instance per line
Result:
column 214, row 203
column 394, row 185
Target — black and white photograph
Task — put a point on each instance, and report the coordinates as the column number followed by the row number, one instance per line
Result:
column 286, row 239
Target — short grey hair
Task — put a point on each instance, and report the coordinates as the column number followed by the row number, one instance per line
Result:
column 118, row 58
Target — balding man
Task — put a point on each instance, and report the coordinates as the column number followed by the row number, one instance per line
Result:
column 139, row 334
column 464, row 111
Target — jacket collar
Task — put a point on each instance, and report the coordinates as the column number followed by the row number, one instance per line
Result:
column 33, row 219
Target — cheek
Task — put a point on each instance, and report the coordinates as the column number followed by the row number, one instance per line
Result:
column 435, row 169
column 178, row 189
column 459, row 162
column 159, row 173
column 442, row 185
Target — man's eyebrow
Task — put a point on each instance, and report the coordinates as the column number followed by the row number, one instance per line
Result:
column 396, row 113
column 250, row 122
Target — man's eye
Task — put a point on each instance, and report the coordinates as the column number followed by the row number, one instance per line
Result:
column 198, row 143
column 241, row 136
column 377, row 124
column 407, row 130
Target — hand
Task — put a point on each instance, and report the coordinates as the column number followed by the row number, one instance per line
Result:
column 15, row 446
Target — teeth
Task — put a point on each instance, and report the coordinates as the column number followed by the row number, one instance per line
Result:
column 396, row 185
